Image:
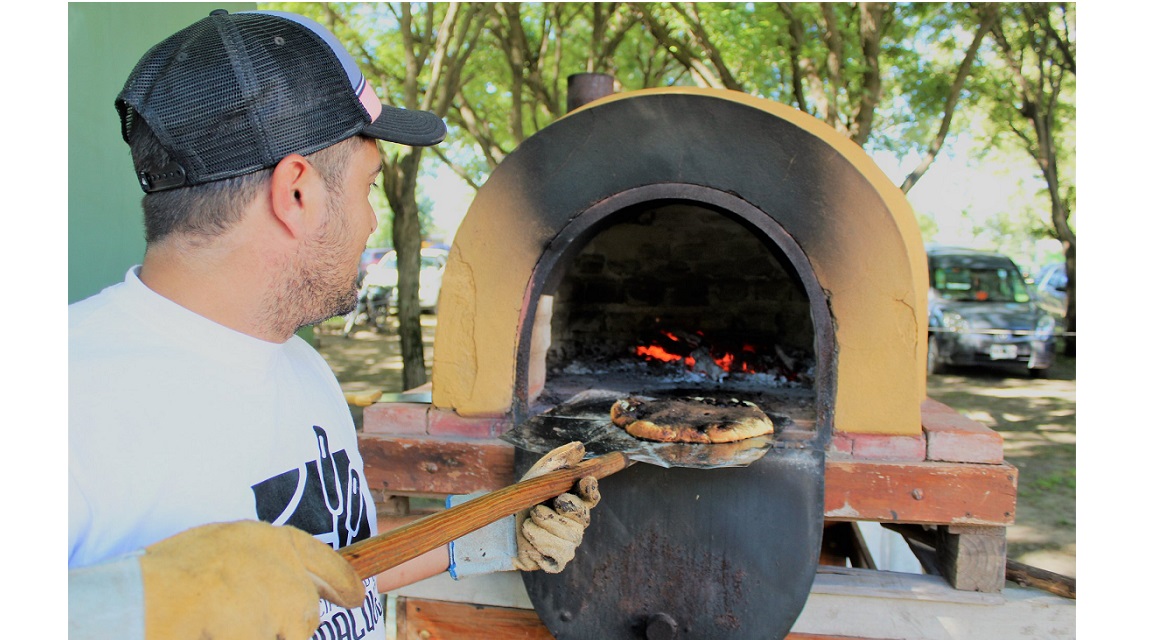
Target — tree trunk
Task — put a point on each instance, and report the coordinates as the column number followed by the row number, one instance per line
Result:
column 400, row 187
column 1037, row 108
column 872, row 20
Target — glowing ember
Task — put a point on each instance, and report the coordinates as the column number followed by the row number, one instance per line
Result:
column 726, row 361
column 691, row 348
column 656, row 352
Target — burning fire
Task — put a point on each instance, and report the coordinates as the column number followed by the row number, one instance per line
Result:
column 717, row 359
column 693, row 349
column 657, row 352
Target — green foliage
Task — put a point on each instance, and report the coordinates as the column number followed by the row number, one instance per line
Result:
column 514, row 73
column 924, row 48
column 1027, row 92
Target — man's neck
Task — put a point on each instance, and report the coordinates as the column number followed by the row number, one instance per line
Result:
column 219, row 279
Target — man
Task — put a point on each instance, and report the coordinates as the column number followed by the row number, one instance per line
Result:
column 195, row 410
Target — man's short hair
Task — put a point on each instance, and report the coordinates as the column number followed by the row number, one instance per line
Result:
column 210, row 209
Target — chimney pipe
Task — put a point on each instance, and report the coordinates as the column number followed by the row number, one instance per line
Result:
column 586, row 87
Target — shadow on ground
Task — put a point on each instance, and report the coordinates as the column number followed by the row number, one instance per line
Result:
column 1037, row 419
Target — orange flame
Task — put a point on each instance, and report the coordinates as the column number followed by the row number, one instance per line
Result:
column 657, row 352
column 727, row 361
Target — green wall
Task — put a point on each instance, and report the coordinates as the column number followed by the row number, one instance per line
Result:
column 105, row 228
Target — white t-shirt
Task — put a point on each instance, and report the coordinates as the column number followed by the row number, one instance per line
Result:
column 177, row 421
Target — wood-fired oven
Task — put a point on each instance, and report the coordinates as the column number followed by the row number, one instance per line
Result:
column 689, row 242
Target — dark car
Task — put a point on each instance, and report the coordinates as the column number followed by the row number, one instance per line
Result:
column 981, row 313
column 1052, row 289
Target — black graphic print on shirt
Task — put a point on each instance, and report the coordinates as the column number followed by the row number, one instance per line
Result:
column 325, row 497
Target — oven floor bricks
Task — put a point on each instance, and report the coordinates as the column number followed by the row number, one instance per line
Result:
column 947, row 435
column 952, row 476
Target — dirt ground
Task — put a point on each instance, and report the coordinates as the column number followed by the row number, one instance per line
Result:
column 1037, row 419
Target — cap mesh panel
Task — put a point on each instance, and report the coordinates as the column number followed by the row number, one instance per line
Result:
column 221, row 118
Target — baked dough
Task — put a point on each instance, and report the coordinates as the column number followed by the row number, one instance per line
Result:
column 693, row 420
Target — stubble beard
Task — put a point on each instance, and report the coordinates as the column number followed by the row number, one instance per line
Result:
column 316, row 285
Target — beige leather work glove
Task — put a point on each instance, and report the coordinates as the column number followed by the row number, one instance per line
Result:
column 242, row 580
column 547, row 536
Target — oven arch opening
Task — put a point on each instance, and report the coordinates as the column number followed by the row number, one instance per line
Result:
column 708, row 212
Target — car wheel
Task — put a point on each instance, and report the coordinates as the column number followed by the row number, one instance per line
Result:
column 1038, row 374
column 934, row 364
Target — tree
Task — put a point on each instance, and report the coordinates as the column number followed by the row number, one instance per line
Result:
column 1031, row 97
column 830, row 59
column 415, row 54
column 951, row 99
column 517, row 79
column 892, row 76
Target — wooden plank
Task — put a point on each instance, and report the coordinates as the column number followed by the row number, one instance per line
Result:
column 920, row 492
column 844, row 603
column 861, row 490
column 418, row 619
column 437, row 620
column 817, row 636
column 437, row 465
column 1027, row 576
column 928, row 608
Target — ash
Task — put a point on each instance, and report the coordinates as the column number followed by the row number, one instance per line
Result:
column 676, row 373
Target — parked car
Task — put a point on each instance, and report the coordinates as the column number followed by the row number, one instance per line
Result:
column 432, row 262
column 1052, row 289
column 981, row 313
column 371, row 256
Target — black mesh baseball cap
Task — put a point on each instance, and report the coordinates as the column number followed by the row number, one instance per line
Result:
column 236, row 93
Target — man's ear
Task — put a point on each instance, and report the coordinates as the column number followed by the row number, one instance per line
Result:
column 294, row 193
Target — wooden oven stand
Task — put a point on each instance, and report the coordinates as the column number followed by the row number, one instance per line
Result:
column 949, row 483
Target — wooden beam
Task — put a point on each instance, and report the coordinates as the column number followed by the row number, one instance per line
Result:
column 843, row 603
column 419, row 619
column 815, row 636
column 435, row 464
column 920, row 492
column 436, row 620
column 973, row 558
column 1018, row 572
column 1029, row 576
column 855, row 490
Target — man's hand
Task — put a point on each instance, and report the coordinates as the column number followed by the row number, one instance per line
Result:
column 242, row 580
column 547, row 536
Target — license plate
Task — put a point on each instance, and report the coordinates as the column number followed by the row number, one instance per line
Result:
column 1003, row 352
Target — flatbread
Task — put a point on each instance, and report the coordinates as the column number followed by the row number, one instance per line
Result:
column 693, row 420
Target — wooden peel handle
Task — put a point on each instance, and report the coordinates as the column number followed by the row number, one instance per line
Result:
column 379, row 553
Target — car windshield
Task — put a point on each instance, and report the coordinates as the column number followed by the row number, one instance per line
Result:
column 965, row 284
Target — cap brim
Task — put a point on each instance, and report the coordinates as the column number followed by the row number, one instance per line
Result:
column 407, row 126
